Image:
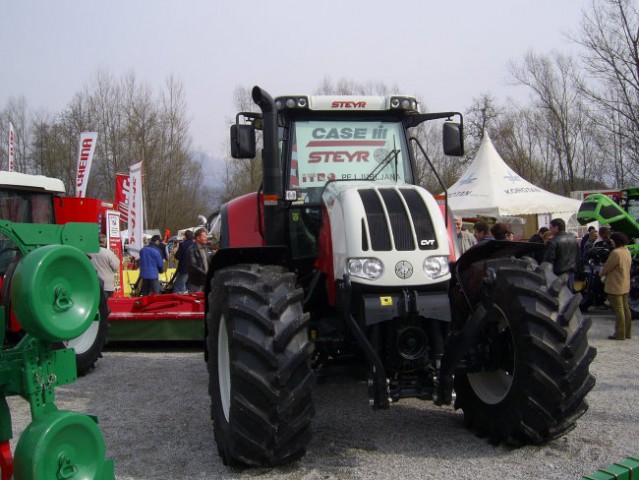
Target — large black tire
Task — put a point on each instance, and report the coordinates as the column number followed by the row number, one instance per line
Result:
column 528, row 375
column 88, row 346
column 260, row 377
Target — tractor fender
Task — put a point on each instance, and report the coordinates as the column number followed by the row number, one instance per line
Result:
column 466, row 294
column 495, row 249
column 470, row 270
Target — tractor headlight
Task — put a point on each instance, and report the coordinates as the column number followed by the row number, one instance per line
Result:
column 368, row 268
column 435, row 267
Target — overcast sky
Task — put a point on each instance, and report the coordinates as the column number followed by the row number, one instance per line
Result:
column 447, row 53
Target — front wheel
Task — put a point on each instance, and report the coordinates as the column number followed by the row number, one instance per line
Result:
column 526, row 378
column 260, row 378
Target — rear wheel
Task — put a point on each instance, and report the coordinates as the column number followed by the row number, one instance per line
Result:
column 260, row 379
column 526, row 378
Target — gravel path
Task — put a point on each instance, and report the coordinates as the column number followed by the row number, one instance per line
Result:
column 153, row 408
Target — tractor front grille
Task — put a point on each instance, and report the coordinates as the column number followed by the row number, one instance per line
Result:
column 396, row 218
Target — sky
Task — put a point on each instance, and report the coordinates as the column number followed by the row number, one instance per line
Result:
column 446, row 53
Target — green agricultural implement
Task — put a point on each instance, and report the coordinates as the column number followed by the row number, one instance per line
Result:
column 51, row 288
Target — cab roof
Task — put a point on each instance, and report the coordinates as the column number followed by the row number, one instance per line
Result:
column 31, row 182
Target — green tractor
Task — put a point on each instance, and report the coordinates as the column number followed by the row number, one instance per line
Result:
column 50, row 287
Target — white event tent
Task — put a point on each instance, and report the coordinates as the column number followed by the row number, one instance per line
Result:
column 490, row 188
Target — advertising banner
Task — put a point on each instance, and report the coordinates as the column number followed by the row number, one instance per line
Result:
column 345, row 151
column 114, row 243
column 12, row 148
column 136, row 211
column 85, row 157
column 122, row 195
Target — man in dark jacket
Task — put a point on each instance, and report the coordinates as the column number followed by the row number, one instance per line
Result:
column 199, row 257
column 562, row 251
column 182, row 256
column 156, row 242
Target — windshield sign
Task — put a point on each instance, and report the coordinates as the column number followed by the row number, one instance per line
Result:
column 325, row 151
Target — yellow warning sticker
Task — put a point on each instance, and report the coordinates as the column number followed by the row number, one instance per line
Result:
column 385, row 301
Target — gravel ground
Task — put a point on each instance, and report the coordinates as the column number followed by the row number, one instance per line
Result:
column 153, row 408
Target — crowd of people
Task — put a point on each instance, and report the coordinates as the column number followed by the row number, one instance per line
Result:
column 190, row 258
column 566, row 253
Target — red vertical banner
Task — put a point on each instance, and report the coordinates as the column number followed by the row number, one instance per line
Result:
column 122, row 195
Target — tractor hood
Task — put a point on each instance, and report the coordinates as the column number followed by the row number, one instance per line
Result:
column 396, row 228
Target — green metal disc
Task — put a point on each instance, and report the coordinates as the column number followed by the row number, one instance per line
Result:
column 55, row 292
column 61, row 445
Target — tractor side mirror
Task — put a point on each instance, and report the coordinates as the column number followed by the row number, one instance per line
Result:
column 453, row 141
column 242, row 141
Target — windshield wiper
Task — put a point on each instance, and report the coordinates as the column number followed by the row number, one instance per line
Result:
column 392, row 155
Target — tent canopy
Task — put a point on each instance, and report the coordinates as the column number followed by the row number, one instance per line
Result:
column 491, row 188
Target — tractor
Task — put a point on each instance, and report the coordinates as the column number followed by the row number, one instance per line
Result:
column 341, row 262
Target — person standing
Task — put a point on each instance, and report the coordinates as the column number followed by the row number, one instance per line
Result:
column 499, row 231
column 590, row 243
column 466, row 239
column 482, row 233
column 107, row 265
column 604, row 238
column 538, row 237
column 182, row 257
column 617, row 285
column 151, row 264
column 562, row 251
column 156, row 242
column 587, row 236
column 198, row 260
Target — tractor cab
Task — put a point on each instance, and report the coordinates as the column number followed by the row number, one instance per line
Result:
column 28, row 198
column 324, row 140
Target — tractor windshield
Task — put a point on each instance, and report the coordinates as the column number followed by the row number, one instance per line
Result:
column 343, row 150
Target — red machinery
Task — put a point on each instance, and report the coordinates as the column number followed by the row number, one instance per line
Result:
column 166, row 316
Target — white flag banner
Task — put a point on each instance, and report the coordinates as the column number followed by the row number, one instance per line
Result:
column 12, row 147
column 136, row 211
column 85, row 158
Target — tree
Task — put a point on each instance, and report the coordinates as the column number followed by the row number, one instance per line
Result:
column 480, row 117
column 554, row 83
column 133, row 125
column 609, row 34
